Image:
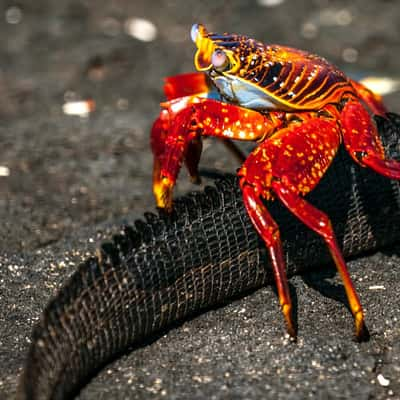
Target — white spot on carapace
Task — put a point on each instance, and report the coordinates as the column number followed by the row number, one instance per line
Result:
column 275, row 78
column 141, row 29
column 252, row 202
column 228, row 132
column 178, row 105
column 291, row 94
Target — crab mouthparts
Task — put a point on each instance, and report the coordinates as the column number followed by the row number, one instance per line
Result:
column 242, row 93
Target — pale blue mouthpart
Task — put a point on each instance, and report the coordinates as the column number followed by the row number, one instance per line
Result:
column 244, row 94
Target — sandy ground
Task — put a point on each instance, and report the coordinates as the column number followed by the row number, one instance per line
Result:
column 66, row 182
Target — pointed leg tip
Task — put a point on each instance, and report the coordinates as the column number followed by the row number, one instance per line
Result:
column 292, row 334
column 291, row 330
column 362, row 333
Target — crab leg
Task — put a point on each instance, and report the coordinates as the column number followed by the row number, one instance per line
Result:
column 199, row 84
column 371, row 99
column 363, row 143
column 287, row 165
column 269, row 231
column 321, row 224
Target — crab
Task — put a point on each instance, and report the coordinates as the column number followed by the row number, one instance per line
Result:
column 299, row 109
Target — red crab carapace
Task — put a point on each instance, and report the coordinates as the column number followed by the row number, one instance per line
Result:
column 298, row 108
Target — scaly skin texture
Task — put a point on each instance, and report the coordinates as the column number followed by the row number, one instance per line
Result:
column 170, row 266
column 299, row 108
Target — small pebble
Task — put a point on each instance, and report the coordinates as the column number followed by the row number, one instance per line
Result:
column 382, row 380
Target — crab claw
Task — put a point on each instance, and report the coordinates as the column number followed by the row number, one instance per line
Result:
column 163, row 181
column 162, row 189
column 165, row 173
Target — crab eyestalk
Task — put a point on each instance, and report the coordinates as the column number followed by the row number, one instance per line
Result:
column 205, row 47
column 215, row 54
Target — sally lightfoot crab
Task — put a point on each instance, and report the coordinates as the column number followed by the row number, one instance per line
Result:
column 298, row 108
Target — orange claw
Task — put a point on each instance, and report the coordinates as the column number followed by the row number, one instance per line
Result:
column 176, row 136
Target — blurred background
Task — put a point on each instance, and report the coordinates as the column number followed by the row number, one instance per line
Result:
column 81, row 82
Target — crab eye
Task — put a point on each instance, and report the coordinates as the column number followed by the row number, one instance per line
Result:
column 194, row 32
column 219, row 60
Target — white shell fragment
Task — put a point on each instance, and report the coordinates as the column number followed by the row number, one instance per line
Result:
column 4, row 171
column 377, row 287
column 382, row 380
column 81, row 108
column 141, row 29
column 270, row 3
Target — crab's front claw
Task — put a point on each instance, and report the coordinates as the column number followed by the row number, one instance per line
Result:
column 175, row 139
column 163, row 187
column 162, row 184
